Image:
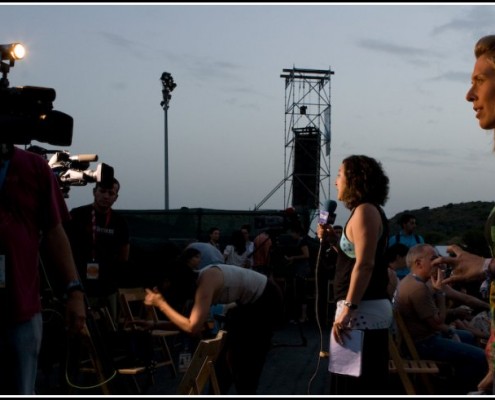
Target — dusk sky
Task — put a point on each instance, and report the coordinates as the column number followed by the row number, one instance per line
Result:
column 398, row 94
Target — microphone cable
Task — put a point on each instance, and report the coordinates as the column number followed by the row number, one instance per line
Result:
column 322, row 353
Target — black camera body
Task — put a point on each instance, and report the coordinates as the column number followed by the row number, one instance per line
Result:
column 26, row 114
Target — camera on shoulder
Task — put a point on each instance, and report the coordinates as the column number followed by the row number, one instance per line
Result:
column 27, row 114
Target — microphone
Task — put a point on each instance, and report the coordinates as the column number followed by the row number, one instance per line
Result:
column 327, row 215
column 331, row 206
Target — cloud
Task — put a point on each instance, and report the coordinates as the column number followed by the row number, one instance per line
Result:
column 390, row 48
column 122, row 42
column 417, row 156
column 204, row 69
column 414, row 161
column 478, row 20
column 118, row 40
column 452, row 76
column 467, row 158
column 413, row 55
column 418, row 152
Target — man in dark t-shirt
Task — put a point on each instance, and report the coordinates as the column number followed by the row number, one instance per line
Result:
column 99, row 238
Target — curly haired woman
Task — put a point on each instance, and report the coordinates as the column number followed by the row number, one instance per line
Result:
column 361, row 276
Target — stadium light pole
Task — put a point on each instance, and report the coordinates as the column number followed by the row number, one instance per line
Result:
column 168, row 85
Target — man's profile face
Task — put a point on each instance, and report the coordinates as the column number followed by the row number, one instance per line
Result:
column 482, row 92
column 429, row 254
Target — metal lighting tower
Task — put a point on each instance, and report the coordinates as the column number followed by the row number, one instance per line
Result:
column 168, row 85
column 307, row 139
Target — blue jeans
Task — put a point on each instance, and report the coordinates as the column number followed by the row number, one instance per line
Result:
column 467, row 358
column 19, row 348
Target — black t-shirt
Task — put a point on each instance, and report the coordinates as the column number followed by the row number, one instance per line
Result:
column 97, row 242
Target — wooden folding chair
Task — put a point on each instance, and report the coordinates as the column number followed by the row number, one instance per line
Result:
column 201, row 370
column 103, row 322
column 137, row 314
column 405, row 360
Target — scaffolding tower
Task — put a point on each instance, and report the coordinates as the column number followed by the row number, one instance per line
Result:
column 307, row 139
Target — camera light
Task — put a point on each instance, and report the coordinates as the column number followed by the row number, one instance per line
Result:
column 18, row 51
column 13, row 51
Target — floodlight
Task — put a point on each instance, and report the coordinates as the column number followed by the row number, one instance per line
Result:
column 13, row 51
column 168, row 85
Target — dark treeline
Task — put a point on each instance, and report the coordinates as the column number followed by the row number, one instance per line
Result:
column 461, row 223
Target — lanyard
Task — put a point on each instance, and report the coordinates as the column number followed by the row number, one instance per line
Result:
column 419, row 279
column 93, row 223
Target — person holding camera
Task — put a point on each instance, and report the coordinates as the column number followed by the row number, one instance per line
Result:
column 32, row 210
column 100, row 242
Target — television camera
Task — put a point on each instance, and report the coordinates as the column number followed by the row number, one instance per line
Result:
column 27, row 114
column 74, row 170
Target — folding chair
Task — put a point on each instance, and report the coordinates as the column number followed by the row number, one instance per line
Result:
column 136, row 314
column 405, row 360
column 104, row 329
column 201, row 370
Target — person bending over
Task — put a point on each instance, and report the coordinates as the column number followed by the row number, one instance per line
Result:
column 249, row 325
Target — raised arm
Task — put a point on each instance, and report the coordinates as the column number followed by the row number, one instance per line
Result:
column 209, row 282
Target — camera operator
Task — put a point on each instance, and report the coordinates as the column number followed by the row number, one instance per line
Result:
column 100, row 242
column 32, row 210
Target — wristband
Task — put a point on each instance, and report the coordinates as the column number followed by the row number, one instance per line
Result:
column 73, row 286
column 486, row 268
column 350, row 305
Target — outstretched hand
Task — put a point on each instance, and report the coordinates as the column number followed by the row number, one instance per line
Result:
column 153, row 297
column 466, row 266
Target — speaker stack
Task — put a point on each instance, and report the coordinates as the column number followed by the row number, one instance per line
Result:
column 306, row 168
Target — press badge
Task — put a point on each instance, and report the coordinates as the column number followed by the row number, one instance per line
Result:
column 2, row 271
column 184, row 361
column 92, row 271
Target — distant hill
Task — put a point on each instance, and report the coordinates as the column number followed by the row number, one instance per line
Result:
column 461, row 223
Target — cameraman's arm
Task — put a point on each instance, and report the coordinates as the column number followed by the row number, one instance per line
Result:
column 58, row 246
